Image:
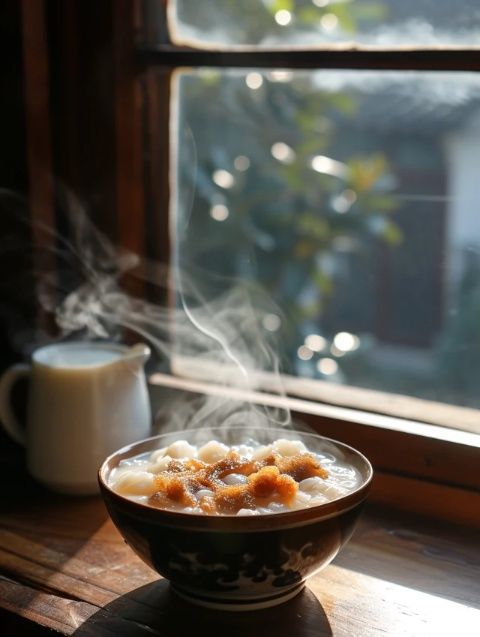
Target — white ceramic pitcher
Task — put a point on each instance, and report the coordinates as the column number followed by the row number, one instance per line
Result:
column 85, row 401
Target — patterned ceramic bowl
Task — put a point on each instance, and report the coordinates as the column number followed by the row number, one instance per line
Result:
column 234, row 562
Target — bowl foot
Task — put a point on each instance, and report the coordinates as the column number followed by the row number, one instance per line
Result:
column 238, row 604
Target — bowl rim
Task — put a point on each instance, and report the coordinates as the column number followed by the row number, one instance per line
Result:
column 202, row 521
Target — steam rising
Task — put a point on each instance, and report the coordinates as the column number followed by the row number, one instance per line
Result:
column 207, row 333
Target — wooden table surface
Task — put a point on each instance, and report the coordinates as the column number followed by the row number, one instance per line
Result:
column 64, row 567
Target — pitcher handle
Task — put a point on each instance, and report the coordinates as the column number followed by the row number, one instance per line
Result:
column 7, row 417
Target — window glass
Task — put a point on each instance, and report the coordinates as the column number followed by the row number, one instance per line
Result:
column 353, row 198
column 279, row 23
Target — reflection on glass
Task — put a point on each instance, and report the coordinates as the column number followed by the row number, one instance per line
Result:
column 305, row 23
column 353, row 198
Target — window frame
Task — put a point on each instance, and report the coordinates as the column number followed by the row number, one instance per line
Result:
column 364, row 58
column 419, row 467
column 437, row 462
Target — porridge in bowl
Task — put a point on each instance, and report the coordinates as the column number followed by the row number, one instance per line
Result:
column 236, row 518
column 247, row 479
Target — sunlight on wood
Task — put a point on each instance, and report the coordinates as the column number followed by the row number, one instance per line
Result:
column 398, row 610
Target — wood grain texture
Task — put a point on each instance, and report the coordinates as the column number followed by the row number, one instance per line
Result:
column 128, row 121
column 427, row 498
column 397, row 405
column 39, row 144
column 83, row 109
column 63, row 566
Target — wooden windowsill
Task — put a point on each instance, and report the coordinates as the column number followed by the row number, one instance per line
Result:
column 377, row 403
column 64, row 567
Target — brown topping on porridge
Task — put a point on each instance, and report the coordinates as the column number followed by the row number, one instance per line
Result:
column 263, row 483
column 177, row 487
column 207, row 504
column 287, row 488
column 160, row 500
column 232, row 463
column 301, row 466
column 270, row 483
column 176, row 466
column 230, row 499
column 195, row 465
column 273, row 479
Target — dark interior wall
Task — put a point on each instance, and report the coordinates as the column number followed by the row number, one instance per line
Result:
column 13, row 170
column 78, row 122
column 16, row 282
column 16, row 285
column 71, row 120
column 68, row 97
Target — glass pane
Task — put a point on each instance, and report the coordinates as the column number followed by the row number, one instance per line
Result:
column 353, row 199
column 305, row 23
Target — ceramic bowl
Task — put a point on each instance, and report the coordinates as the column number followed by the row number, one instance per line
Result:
column 235, row 562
